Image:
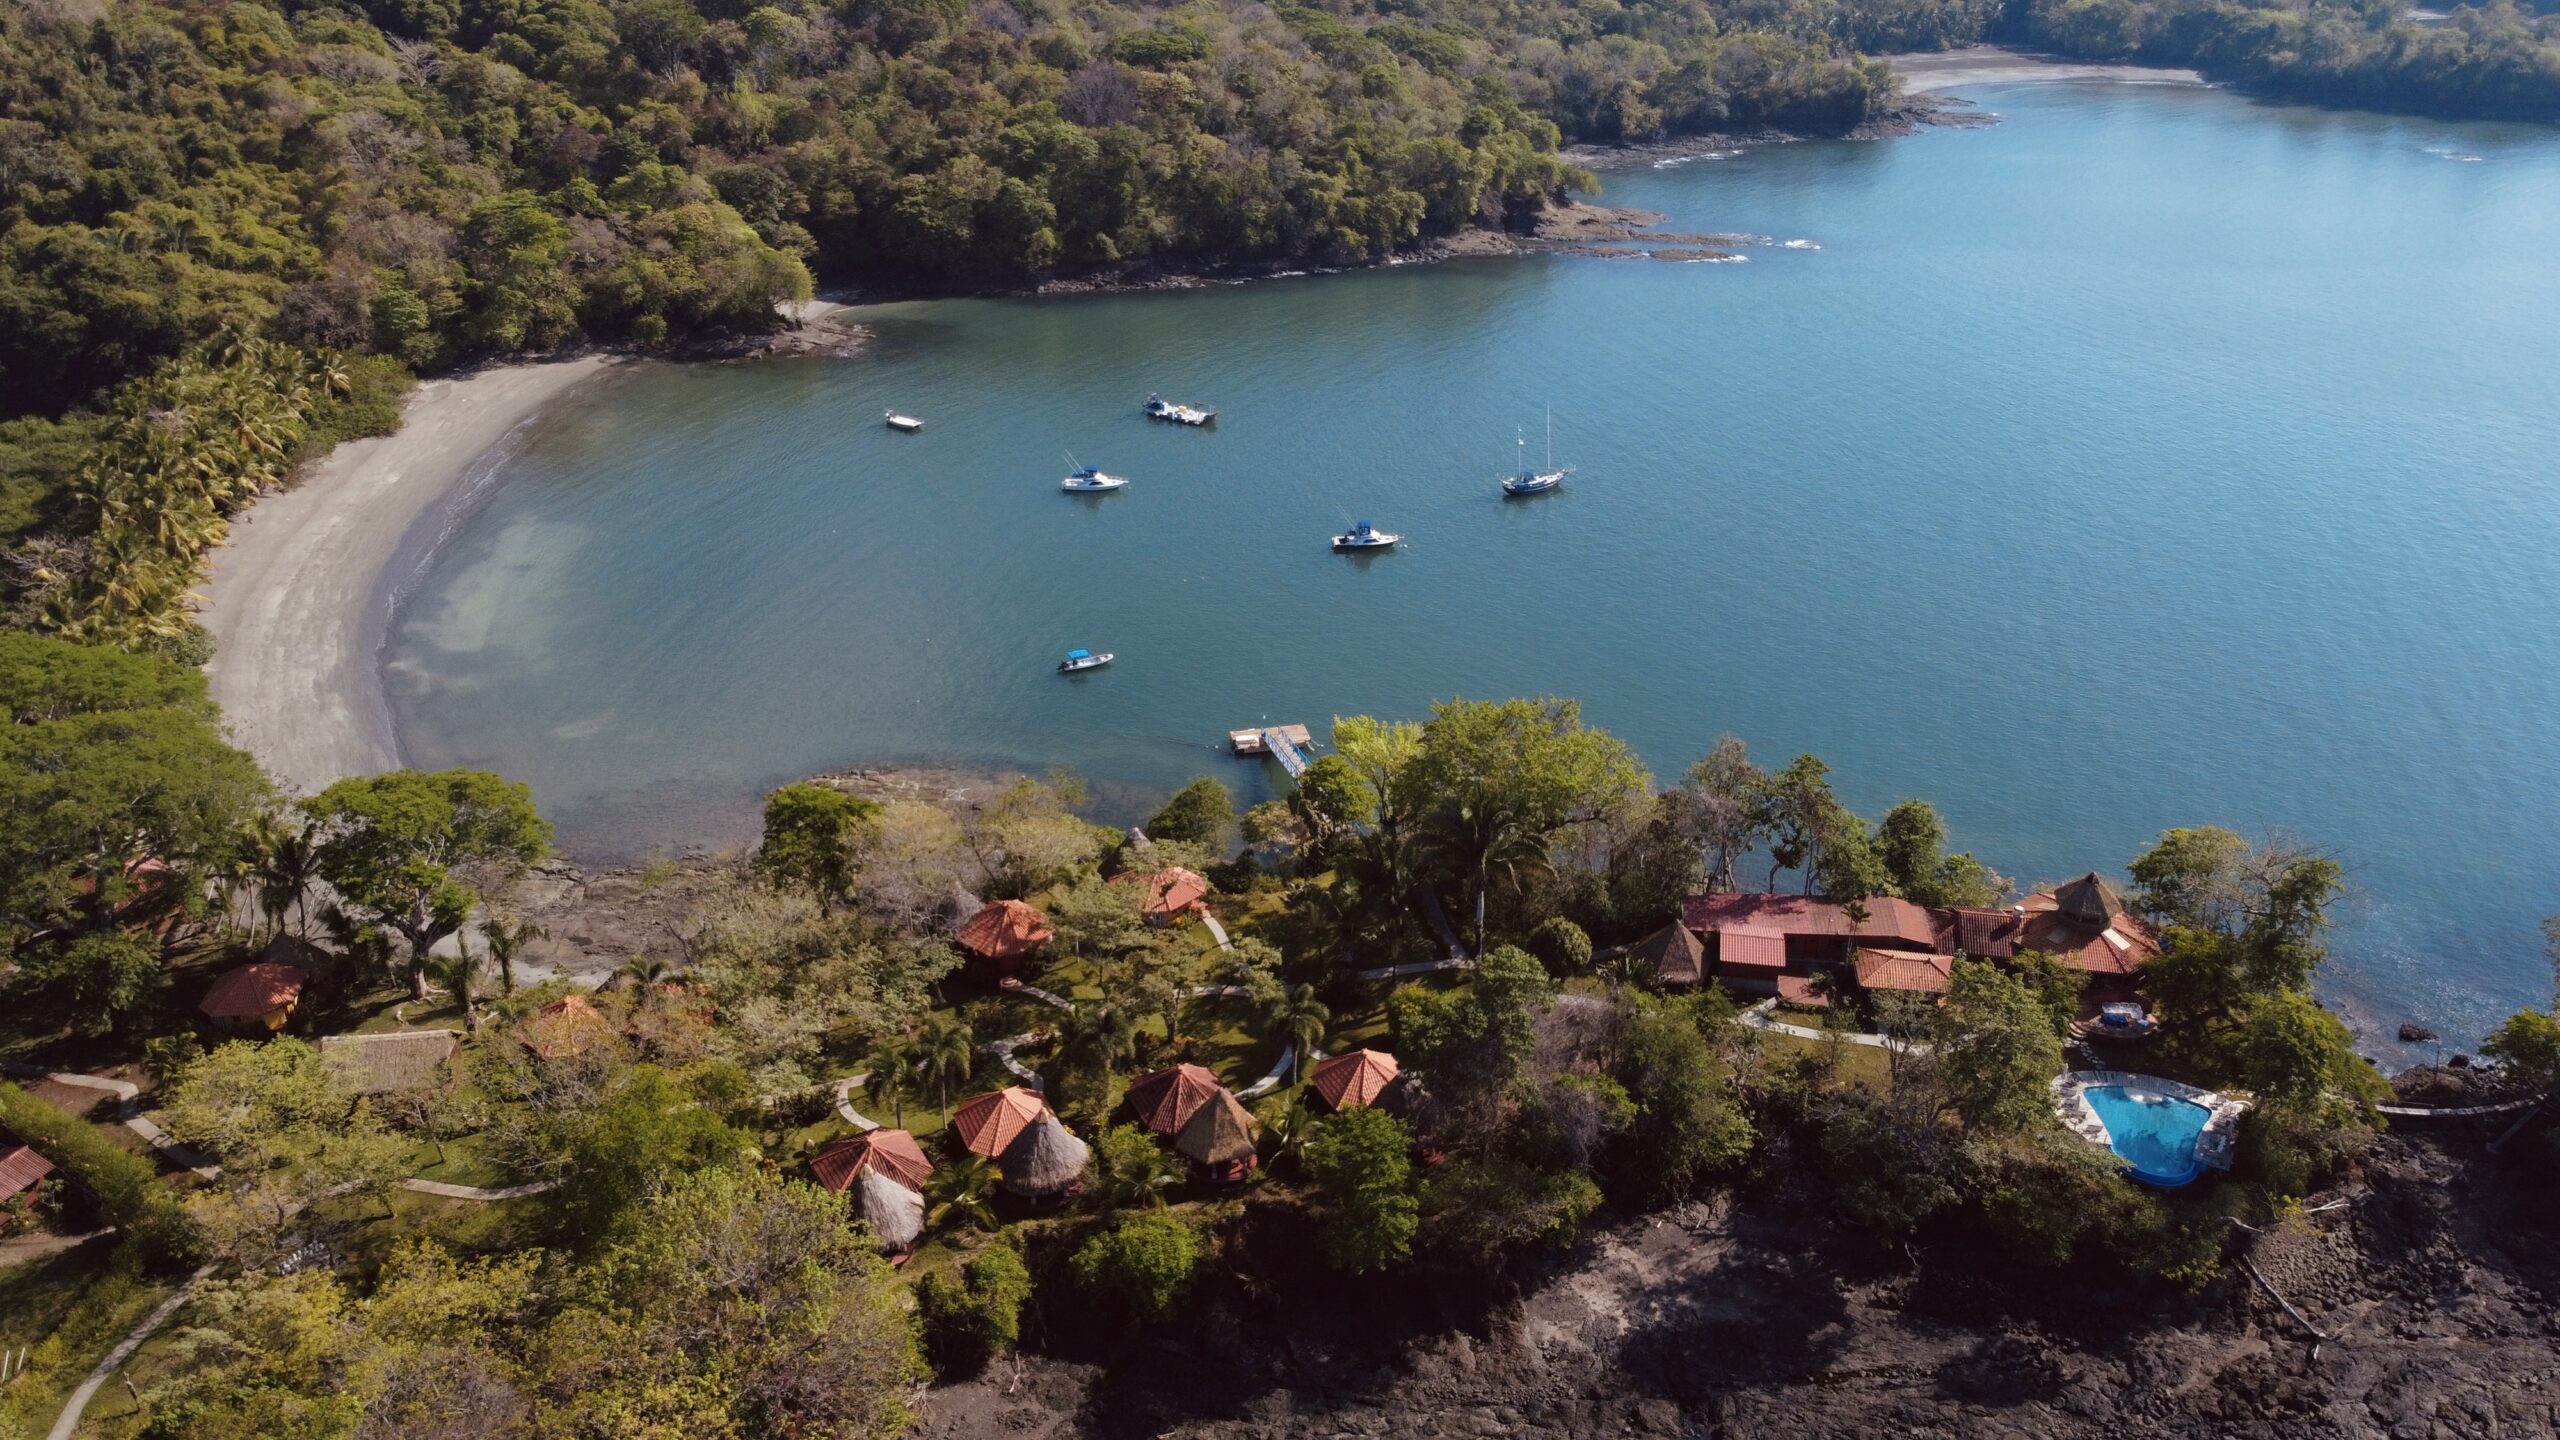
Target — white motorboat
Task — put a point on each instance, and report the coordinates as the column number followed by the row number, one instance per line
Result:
column 1364, row 536
column 1159, row 408
column 1086, row 480
column 1080, row 660
column 904, row 424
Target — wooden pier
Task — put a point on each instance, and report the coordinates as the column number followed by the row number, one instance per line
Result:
column 1287, row 744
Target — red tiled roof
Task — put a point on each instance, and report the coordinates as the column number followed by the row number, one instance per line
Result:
column 2116, row 949
column 566, row 1026
column 1800, row 990
column 258, row 989
column 987, row 1124
column 893, row 1153
column 1905, row 970
column 22, row 1167
column 1163, row 1101
column 1169, row 892
column 1007, row 929
column 1983, row 934
column 1887, row 918
column 1751, row 949
column 1347, row 1082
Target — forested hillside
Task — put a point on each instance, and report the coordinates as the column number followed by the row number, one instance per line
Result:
column 391, row 186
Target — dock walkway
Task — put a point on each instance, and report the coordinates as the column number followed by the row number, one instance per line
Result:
column 1287, row 744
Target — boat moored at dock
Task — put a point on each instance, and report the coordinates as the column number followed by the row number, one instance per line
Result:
column 1159, row 408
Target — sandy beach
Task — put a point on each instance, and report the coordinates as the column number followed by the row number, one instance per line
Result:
column 295, row 598
column 1937, row 71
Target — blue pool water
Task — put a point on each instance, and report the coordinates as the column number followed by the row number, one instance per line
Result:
column 2154, row 1134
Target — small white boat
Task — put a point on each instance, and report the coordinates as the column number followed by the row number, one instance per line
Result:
column 1364, row 536
column 1159, row 408
column 1525, row 481
column 1086, row 480
column 1083, row 660
column 904, row 424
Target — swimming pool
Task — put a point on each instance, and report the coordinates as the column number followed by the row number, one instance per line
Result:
column 2154, row 1133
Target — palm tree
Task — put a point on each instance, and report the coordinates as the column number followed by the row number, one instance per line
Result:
column 942, row 1055
column 462, row 976
column 891, row 1080
column 507, row 940
column 647, row 973
column 1298, row 1018
column 956, row 1194
column 1097, row 1035
column 1134, row 1171
column 286, row 861
column 1478, row 836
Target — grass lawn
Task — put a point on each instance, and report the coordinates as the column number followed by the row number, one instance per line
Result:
column 69, row 1309
column 1865, row 1066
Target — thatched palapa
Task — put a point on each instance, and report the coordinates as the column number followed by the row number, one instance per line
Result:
column 380, row 1064
column 894, row 1212
column 1044, row 1161
column 1220, row 1134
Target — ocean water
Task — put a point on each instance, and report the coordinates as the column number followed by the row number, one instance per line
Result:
column 2152, row 457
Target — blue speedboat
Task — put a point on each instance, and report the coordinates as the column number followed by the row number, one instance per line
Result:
column 1083, row 660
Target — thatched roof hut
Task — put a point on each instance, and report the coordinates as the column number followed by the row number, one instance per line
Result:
column 1353, row 1079
column 379, row 1064
column 1673, row 954
column 1220, row 1134
column 989, row 1124
column 1165, row 1101
column 1044, row 1160
column 894, row 1212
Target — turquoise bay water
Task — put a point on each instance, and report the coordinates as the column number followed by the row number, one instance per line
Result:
column 2154, row 1134
column 2153, row 457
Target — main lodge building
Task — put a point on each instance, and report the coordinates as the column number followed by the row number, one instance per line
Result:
column 1804, row 950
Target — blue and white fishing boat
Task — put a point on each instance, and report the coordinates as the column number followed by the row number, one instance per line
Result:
column 1159, row 408
column 1088, row 480
column 1525, row 481
column 1364, row 536
column 1083, row 660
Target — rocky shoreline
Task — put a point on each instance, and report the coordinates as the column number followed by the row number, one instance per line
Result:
column 2422, row 1297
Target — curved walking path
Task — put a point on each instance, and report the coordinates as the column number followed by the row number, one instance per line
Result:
column 68, row 1422
column 128, row 1113
column 844, row 1104
column 1758, row 1017
column 474, row 1192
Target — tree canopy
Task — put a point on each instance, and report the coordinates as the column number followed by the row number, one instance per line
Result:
column 406, row 847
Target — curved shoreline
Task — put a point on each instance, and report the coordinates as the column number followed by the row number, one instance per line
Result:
column 297, row 598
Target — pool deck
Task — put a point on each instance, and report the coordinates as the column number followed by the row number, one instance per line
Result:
column 2213, row 1143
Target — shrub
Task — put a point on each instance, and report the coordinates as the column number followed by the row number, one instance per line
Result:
column 1561, row 946
column 972, row 1317
column 1362, row 1162
column 123, row 1185
column 1139, row 1268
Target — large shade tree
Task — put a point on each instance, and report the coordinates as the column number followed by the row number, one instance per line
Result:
column 408, row 849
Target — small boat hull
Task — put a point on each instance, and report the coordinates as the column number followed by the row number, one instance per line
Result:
column 1092, row 484
column 1519, row 485
column 1171, row 413
column 904, row 424
column 1358, row 544
column 1089, row 662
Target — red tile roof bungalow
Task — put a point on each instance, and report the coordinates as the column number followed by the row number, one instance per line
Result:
column 261, row 994
column 1757, row 943
column 1165, row 1101
column 893, row 1153
column 1171, row 893
column 1004, row 934
column 1353, row 1078
column 987, row 1124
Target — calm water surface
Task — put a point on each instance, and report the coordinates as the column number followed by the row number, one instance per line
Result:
column 2154, row 457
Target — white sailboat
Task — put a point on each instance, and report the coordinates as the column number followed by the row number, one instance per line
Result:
column 1525, row 481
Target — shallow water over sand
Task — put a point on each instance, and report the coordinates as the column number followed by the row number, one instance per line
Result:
column 2153, row 457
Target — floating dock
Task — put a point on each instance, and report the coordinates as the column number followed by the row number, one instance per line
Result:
column 1287, row 744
